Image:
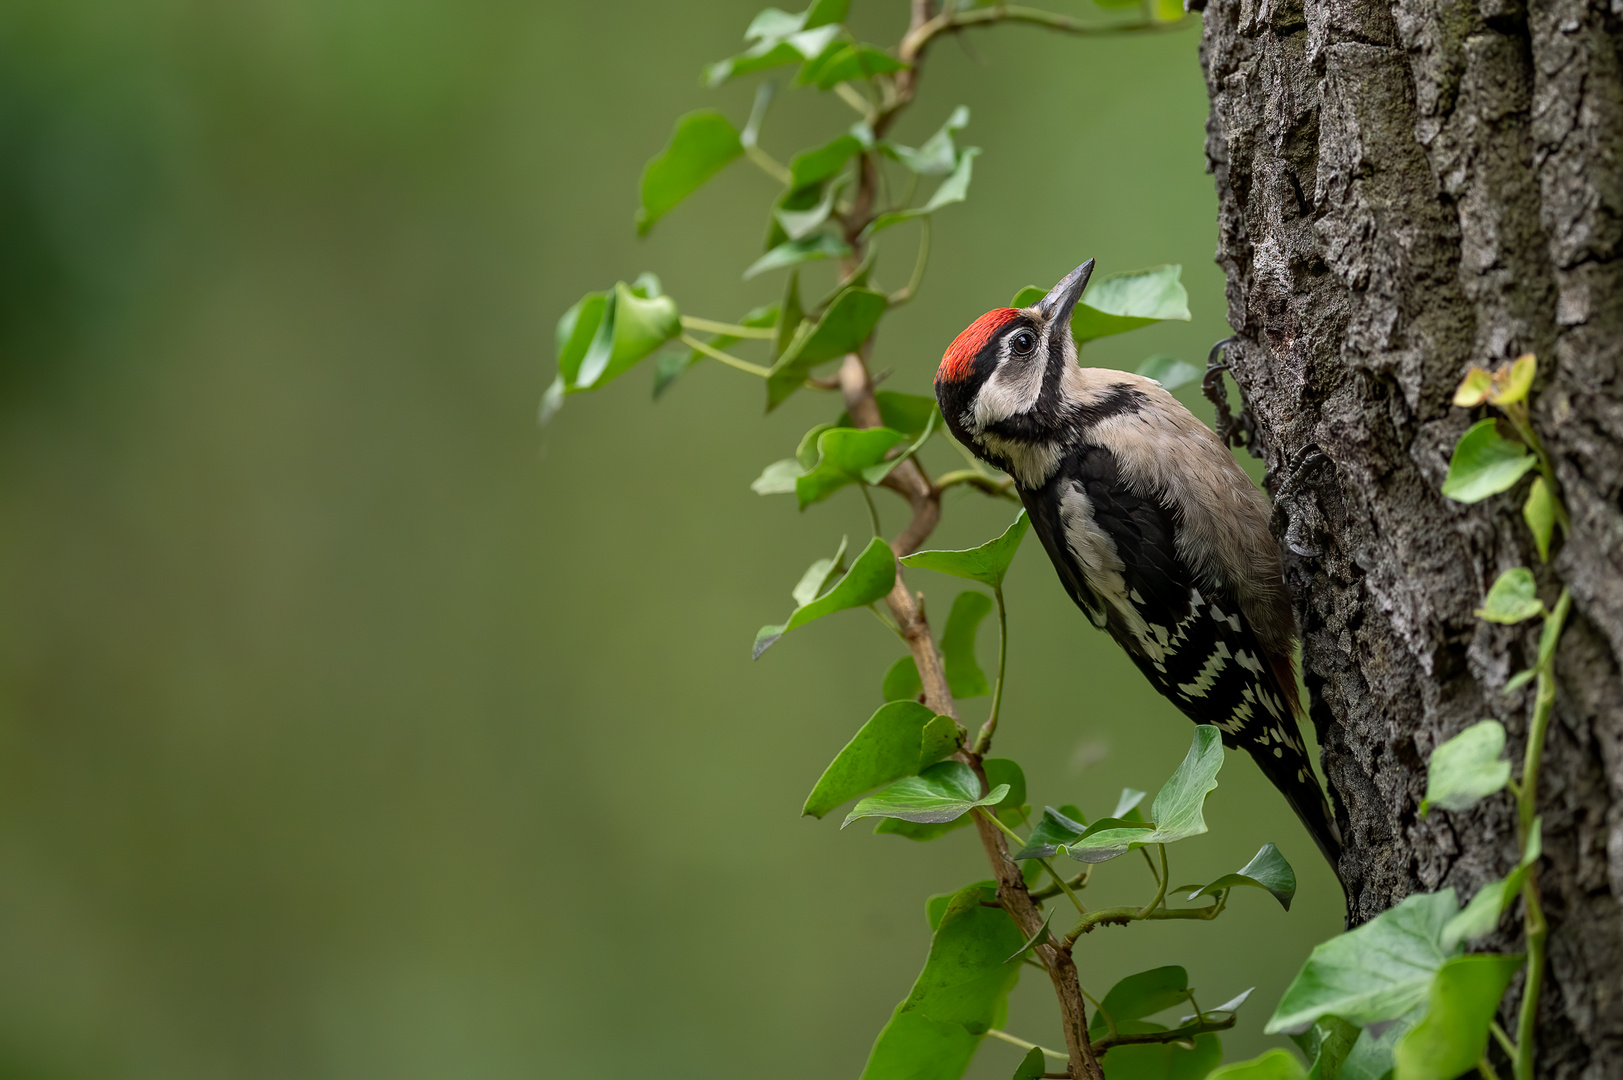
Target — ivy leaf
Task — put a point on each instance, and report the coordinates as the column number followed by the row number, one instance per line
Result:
column 1480, row 917
column 1274, row 1065
column 1326, row 1045
column 1371, row 1055
column 911, row 414
column 1379, row 971
column 875, row 474
column 1169, row 371
column 790, row 316
column 1057, row 827
column 869, row 579
column 1187, row 1059
column 986, row 564
column 814, row 166
column 1000, row 772
column 1467, row 768
column 704, row 141
column 778, row 38
column 1485, row 463
column 1512, row 599
column 1117, row 303
column 943, row 792
column 603, row 334
column 1107, row 838
column 961, row 992
column 1138, row 996
column 1517, row 380
column 954, row 189
column 1031, row 1066
column 778, row 478
column 900, row 739
column 843, row 327
column 1266, row 870
column 902, row 682
column 1036, row 939
column 855, row 62
column 1453, row 1035
column 964, row 675
column 819, row 245
column 1539, row 513
column 1127, row 802
column 842, row 456
column 936, row 156
column 1474, row 388
column 798, row 224
column 1177, row 811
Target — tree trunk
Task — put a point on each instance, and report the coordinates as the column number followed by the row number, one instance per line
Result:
column 1408, row 187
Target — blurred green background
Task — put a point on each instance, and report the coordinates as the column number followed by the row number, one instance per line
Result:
column 350, row 726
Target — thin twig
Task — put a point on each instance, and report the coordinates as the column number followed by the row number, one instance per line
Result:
column 1014, row 1040
column 731, row 361
column 710, row 326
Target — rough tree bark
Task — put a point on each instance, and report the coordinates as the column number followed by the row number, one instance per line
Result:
column 1408, row 187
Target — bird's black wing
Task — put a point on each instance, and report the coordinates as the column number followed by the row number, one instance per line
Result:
column 1115, row 551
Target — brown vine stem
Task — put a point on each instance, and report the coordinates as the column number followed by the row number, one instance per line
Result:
column 924, row 497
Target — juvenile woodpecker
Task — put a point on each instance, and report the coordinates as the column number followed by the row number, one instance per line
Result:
column 1157, row 534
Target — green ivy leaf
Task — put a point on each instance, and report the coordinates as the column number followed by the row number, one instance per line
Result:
column 1000, row 773
column 1485, row 463
column 902, row 682
column 855, row 62
column 1512, row 599
column 843, row 327
column 704, row 141
column 842, row 456
column 937, row 155
column 870, row 578
column 1371, row 1055
column 1182, row 1060
column 1453, row 1035
column 778, row 38
column 1266, row 870
column 1379, row 971
column 875, row 474
column 1169, row 371
column 1326, row 1045
column 1177, row 811
column 815, row 166
column 1138, row 996
column 798, row 224
column 1057, row 827
column 1117, row 303
column 1127, row 804
column 819, row 245
column 1480, row 917
column 954, row 189
column 964, row 675
column 1274, row 1065
column 962, row 990
column 986, row 564
column 941, row 793
column 1039, row 938
column 1031, row 1066
column 1107, row 838
column 1539, row 513
column 911, row 414
column 790, row 319
column 901, row 739
column 1467, row 768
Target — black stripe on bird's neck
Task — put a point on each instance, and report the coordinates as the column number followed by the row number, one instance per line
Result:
column 1052, row 416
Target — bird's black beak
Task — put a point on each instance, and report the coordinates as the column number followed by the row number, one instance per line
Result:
column 1057, row 305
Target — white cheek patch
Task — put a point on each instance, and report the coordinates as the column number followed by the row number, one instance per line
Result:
column 1096, row 554
column 1012, row 389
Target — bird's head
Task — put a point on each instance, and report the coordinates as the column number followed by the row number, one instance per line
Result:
column 1000, row 380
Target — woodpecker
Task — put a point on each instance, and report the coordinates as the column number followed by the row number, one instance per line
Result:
column 1155, row 531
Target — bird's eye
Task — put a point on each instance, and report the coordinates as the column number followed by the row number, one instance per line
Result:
column 1023, row 342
